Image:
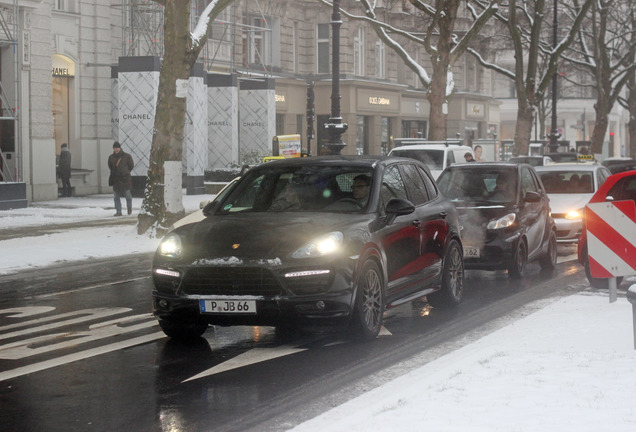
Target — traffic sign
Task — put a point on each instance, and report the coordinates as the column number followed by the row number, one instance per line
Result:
column 611, row 238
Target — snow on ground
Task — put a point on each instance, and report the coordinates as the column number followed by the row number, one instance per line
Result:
column 571, row 366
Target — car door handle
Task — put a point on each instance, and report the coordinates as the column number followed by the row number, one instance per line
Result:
column 417, row 223
column 443, row 214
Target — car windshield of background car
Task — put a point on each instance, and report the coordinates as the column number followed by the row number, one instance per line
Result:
column 478, row 186
column 567, row 182
column 294, row 189
column 433, row 158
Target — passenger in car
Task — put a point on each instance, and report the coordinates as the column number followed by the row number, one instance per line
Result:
column 287, row 200
column 503, row 189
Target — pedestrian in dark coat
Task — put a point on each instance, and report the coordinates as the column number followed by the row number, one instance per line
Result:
column 120, row 165
column 64, row 170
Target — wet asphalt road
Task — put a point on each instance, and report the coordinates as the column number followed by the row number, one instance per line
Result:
column 80, row 351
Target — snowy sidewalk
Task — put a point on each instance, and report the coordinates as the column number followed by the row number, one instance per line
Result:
column 73, row 229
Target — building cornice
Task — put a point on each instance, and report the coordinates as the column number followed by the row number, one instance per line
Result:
column 32, row 4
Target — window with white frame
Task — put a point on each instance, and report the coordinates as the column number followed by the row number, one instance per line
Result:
column 219, row 42
column 380, row 60
column 295, row 47
column 65, row 5
column 358, row 52
column 261, row 41
column 322, row 48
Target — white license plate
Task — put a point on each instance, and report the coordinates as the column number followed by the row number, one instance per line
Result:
column 227, row 306
column 471, row 252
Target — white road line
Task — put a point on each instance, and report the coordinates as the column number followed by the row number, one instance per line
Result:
column 88, row 288
column 253, row 356
column 36, row 367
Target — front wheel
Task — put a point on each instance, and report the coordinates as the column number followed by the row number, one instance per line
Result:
column 518, row 265
column 548, row 261
column 452, row 289
column 369, row 304
column 182, row 330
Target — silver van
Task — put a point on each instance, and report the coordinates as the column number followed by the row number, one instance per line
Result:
column 436, row 156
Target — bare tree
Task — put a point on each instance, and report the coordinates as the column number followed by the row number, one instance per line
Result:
column 441, row 40
column 535, row 56
column 181, row 49
column 605, row 50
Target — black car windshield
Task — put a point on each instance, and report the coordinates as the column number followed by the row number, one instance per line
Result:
column 480, row 186
column 433, row 158
column 309, row 188
column 567, row 182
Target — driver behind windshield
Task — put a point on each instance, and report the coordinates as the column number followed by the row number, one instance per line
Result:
column 360, row 189
column 503, row 189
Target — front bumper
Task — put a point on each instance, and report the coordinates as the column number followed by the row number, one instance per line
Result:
column 496, row 252
column 310, row 296
column 568, row 231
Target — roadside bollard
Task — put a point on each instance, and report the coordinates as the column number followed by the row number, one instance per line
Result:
column 631, row 296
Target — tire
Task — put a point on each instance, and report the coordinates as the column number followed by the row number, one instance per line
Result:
column 452, row 288
column 182, row 330
column 517, row 267
column 368, row 311
column 548, row 261
column 598, row 283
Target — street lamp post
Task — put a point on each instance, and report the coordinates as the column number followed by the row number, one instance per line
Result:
column 335, row 126
column 554, row 135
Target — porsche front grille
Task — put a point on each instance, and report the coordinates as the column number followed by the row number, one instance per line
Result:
column 230, row 281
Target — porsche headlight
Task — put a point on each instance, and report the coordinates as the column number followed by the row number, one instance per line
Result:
column 170, row 246
column 323, row 245
column 574, row 214
column 503, row 222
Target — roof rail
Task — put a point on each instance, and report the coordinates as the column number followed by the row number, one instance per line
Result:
column 414, row 141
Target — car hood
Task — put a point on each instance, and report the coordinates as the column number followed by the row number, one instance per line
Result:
column 474, row 219
column 563, row 203
column 264, row 236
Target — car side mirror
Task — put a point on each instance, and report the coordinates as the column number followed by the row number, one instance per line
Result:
column 532, row 197
column 209, row 208
column 398, row 207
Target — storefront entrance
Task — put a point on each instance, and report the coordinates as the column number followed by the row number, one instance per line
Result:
column 63, row 72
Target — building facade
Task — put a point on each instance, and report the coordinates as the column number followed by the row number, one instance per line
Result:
column 56, row 70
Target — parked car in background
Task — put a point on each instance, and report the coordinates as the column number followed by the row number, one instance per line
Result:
column 436, row 156
column 566, row 157
column 532, row 160
column 570, row 186
column 618, row 187
column 306, row 242
column 619, row 164
column 504, row 214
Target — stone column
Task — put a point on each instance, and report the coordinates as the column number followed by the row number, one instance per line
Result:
column 138, row 85
column 195, row 133
column 257, row 108
column 223, row 119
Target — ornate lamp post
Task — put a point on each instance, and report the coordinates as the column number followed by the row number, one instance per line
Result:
column 335, row 126
column 554, row 135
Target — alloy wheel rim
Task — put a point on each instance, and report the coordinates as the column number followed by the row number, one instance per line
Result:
column 456, row 274
column 372, row 299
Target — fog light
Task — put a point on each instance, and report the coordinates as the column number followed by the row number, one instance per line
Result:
column 320, row 304
column 163, row 304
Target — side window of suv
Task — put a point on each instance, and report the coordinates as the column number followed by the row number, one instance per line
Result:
column 415, row 185
column 392, row 187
